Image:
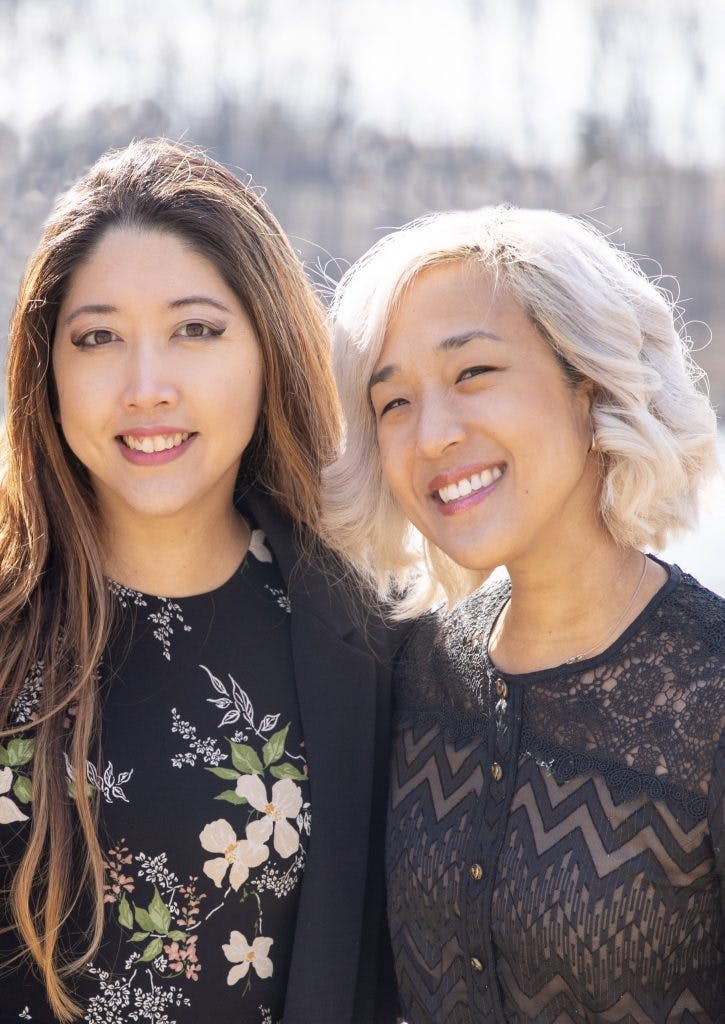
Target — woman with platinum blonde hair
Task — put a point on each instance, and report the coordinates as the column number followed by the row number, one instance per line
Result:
column 517, row 394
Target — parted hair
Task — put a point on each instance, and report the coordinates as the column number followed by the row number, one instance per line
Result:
column 55, row 615
column 607, row 323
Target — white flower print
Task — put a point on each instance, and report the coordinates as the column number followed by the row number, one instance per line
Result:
column 9, row 810
column 239, row 855
column 118, row 1002
column 105, row 781
column 239, row 952
column 127, row 595
column 258, row 547
column 155, row 871
column 304, row 819
column 205, row 749
column 286, row 803
column 169, row 613
column 26, row 702
column 280, row 883
column 282, row 599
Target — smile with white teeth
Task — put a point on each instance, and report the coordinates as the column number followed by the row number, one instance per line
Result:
column 469, row 485
column 155, row 443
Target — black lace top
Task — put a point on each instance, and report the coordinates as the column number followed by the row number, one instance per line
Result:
column 205, row 812
column 556, row 842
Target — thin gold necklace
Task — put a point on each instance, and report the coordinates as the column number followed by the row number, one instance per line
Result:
column 601, row 643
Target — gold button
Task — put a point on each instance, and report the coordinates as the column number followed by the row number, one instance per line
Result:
column 496, row 771
column 476, row 872
column 476, row 964
column 502, row 689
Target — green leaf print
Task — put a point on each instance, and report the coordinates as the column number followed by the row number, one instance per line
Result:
column 231, row 796
column 19, row 751
column 4, row 760
column 178, row 936
column 23, row 789
column 225, row 773
column 273, row 749
column 245, row 759
column 143, row 919
column 287, row 771
column 125, row 914
column 139, row 937
column 152, row 951
column 159, row 913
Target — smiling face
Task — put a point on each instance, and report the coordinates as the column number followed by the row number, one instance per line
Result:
column 483, row 441
column 158, row 374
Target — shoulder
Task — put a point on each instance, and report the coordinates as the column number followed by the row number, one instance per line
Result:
column 321, row 585
column 695, row 614
column 441, row 657
column 446, row 632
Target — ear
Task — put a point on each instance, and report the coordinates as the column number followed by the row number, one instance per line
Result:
column 586, row 393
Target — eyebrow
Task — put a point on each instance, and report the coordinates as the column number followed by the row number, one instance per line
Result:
column 459, row 340
column 199, row 300
column 97, row 307
column 103, row 309
column 456, row 341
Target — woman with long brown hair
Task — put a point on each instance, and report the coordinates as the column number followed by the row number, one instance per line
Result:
column 193, row 729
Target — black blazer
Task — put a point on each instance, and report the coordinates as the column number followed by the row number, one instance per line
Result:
column 341, row 970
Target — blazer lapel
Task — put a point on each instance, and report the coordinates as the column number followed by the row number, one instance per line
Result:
column 336, row 690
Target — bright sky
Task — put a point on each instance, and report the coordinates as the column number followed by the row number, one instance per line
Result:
column 510, row 74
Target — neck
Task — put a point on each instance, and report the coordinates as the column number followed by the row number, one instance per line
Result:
column 176, row 556
column 570, row 605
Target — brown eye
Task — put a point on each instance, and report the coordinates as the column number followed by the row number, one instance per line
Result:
column 95, row 339
column 475, row 371
column 197, row 329
column 194, row 330
column 395, row 403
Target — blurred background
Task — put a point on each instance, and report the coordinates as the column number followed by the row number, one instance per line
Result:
column 358, row 115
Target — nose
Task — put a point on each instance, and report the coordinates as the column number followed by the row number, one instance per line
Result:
column 438, row 426
column 149, row 379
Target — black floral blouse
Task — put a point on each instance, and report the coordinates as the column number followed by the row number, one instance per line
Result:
column 556, row 840
column 205, row 809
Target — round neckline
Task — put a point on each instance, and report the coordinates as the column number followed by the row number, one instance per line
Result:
column 674, row 575
column 200, row 595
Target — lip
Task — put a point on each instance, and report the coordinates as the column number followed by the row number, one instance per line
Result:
column 153, row 458
column 450, row 508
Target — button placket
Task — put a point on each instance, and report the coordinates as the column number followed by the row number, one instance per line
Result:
column 504, row 734
column 478, row 890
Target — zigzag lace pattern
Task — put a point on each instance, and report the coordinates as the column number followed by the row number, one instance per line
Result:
column 599, row 856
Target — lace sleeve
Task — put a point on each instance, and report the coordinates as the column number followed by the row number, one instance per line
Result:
column 439, row 677
column 716, row 817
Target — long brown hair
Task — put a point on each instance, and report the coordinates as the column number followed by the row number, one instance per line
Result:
column 54, row 609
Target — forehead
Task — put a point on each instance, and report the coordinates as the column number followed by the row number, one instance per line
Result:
column 141, row 263
column 445, row 300
column 458, row 292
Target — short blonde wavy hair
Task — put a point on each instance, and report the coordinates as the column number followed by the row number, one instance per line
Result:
column 655, row 429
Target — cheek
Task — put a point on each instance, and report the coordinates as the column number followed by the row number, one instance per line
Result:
column 389, row 458
column 398, row 474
